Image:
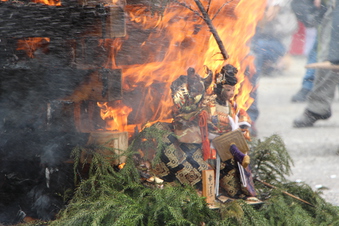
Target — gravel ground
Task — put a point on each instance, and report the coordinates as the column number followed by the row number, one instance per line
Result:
column 315, row 150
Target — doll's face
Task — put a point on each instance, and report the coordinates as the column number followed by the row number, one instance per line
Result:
column 227, row 92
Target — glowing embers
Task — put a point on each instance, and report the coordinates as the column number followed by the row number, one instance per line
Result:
column 30, row 45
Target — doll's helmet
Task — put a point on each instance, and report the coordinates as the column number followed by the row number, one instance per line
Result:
column 227, row 75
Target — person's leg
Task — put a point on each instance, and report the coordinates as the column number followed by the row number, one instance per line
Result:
column 269, row 50
column 322, row 93
column 310, row 38
column 258, row 48
column 308, row 79
column 333, row 55
column 265, row 50
column 321, row 96
column 274, row 51
column 331, row 61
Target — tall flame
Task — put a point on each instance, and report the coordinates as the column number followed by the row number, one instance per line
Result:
column 181, row 39
column 177, row 39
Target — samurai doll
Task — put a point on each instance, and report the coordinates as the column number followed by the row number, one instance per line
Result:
column 234, row 174
column 198, row 119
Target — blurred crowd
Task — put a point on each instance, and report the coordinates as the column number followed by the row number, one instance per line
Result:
column 273, row 44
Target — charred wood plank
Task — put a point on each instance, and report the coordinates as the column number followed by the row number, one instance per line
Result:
column 102, row 85
column 37, row 20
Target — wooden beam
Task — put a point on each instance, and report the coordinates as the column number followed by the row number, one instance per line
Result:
column 37, row 20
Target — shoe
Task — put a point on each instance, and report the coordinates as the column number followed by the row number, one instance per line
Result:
column 324, row 65
column 308, row 118
column 301, row 95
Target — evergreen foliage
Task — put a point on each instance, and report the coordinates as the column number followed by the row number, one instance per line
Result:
column 270, row 159
column 151, row 141
column 118, row 197
column 111, row 197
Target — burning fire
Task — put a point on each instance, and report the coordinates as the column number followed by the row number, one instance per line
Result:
column 181, row 39
column 48, row 2
column 177, row 39
column 30, row 45
column 115, row 115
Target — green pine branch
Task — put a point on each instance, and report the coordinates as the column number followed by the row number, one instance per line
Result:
column 118, row 197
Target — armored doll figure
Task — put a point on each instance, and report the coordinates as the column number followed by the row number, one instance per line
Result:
column 225, row 116
column 213, row 116
column 199, row 119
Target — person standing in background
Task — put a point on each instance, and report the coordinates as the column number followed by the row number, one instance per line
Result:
column 327, row 72
column 269, row 44
column 311, row 22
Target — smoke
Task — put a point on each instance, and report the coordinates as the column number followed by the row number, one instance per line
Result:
column 28, row 146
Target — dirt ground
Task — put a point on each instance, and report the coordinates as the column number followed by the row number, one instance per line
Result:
column 315, row 150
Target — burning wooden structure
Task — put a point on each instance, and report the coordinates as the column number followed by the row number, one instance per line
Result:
column 72, row 69
column 52, row 77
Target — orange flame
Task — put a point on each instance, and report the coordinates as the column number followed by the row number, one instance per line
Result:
column 30, row 45
column 114, row 115
column 181, row 39
column 177, row 39
column 48, row 2
column 121, row 166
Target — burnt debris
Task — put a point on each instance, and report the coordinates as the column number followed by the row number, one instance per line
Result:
column 46, row 53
